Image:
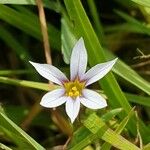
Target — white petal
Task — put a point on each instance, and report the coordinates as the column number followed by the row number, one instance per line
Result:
column 92, row 99
column 50, row 72
column 97, row 72
column 78, row 60
column 54, row 98
column 72, row 108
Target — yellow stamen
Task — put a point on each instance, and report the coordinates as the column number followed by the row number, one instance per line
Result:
column 70, row 94
column 76, row 93
column 74, row 88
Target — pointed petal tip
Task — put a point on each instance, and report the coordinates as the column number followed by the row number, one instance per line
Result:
column 32, row 63
column 72, row 120
column 78, row 61
column 98, row 71
column 115, row 59
column 72, row 108
column 81, row 39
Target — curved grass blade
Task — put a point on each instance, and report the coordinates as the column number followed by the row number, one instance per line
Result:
column 107, row 146
column 47, row 3
column 29, row 25
column 145, row 3
column 18, row 134
column 4, row 147
column 31, row 84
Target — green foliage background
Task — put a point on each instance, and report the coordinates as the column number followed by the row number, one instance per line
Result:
column 110, row 29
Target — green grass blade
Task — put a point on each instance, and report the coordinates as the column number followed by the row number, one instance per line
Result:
column 111, row 114
column 22, row 2
column 138, row 99
column 31, row 84
column 67, row 39
column 30, row 25
column 131, row 76
column 145, row 3
column 14, row 72
column 96, row 19
column 139, row 26
column 18, row 134
column 47, row 3
column 16, row 46
column 107, row 146
column 4, row 147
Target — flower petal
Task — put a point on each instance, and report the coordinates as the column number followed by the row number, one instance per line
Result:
column 72, row 108
column 97, row 72
column 54, row 98
column 78, row 60
column 92, row 99
column 50, row 72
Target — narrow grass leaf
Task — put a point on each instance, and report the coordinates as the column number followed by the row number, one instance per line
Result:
column 47, row 3
column 4, row 147
column 138, row 99
column 67, row 39
column 145, row 3
column 15, row 72
column 30, row 25
column 19, row 133
column 31, row 84
column 139, row 26
column 10, row 40
column 107, row 146
column 111, row 114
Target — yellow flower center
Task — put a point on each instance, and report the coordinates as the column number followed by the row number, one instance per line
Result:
column 74, row 88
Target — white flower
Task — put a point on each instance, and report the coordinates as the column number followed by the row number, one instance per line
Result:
column 74, row 91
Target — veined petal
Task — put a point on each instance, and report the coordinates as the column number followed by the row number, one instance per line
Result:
column 97, row 72
column 50, row 73
column 72, row 108
column 92, row 99
column 54, row 98
column 78, row 60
